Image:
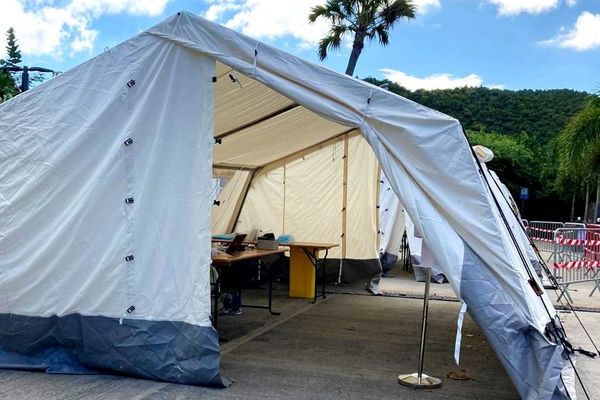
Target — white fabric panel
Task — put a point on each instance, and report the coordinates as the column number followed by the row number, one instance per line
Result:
column 230, row 198
column 243, row 102
column 391, row 219
column 361, row 220
column 65, row 226
column 275, row 138
column 313, row 195
column 263, row 208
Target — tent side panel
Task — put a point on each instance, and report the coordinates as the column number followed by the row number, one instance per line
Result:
column 363, row 170
column 361, row 259
column 104, row 245
column 263, row 208
column 313, row 195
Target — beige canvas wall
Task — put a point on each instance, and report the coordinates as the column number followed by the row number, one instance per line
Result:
column 303, row 195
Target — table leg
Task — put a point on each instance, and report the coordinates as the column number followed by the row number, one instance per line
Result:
column 270, row 304
column 323, row 262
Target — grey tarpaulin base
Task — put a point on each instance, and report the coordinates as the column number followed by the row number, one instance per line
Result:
column 161, row 350
column 525, row 354
column 352, row 270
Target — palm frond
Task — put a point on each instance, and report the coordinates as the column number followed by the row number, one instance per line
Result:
column 579, row 142
column 397, row 10
column 331, row 41
column 383, row 34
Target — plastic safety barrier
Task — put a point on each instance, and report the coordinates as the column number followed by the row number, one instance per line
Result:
column 576, row 258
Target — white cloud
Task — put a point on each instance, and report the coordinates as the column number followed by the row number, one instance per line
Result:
column 47, row 27
column 585, row 35
column 424, row 6
column 435, row 81
column 270, row 19
column 513, row 7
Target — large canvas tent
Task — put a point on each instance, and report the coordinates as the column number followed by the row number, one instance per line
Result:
column 106, row 196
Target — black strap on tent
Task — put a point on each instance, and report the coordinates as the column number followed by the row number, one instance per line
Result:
column 559, row 335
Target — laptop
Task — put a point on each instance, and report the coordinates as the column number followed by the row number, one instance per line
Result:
column 236, row 244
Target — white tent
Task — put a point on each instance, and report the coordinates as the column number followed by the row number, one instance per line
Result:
column 105, row 241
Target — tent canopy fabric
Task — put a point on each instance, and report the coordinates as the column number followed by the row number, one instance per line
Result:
column 66, row 231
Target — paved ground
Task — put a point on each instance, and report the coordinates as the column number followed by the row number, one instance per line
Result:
column 345, row 347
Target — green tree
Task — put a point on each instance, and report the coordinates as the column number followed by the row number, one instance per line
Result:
column 12, row 48
column 8, row 84
column 579, row 151
column 8, row 88
column 513, row 158
column 579, row 142
column 365, row 19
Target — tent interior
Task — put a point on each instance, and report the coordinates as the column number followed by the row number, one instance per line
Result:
column 290, row 171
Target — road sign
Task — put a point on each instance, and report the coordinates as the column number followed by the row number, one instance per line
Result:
column 524, row 193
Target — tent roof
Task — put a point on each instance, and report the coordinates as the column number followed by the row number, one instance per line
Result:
column 258, row 125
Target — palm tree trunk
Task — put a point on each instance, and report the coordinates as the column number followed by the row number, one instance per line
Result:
column 357, row 46
column 573, row 208
column 587, row 201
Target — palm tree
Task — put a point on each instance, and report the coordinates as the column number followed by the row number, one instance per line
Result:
column 579, row 148
column 365, row 19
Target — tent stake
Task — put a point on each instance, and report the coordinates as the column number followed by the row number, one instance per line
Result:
column 419, row 380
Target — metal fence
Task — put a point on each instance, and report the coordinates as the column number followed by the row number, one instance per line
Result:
column 542, row 233
column 576, row 258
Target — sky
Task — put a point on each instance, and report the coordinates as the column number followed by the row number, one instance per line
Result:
column 510, row 44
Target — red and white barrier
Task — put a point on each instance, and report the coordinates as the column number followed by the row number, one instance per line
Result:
column 576, row 253
column 578, row 264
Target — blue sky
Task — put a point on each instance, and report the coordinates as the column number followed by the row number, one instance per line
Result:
column 511, row 44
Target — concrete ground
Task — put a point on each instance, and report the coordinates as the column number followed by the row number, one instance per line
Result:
column 344, row 347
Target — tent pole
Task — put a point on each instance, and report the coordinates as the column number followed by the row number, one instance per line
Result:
column 344, row 206
column 378, row 206
column 419, row 380
column 296, row 154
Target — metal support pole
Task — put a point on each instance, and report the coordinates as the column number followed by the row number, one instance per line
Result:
column 419, row 380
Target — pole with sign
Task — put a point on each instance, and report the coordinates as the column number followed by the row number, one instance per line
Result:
column 524, row 196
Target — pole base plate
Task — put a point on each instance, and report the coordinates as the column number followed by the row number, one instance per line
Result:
column 413, row 381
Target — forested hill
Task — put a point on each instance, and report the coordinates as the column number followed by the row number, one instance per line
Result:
column 540, row 113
